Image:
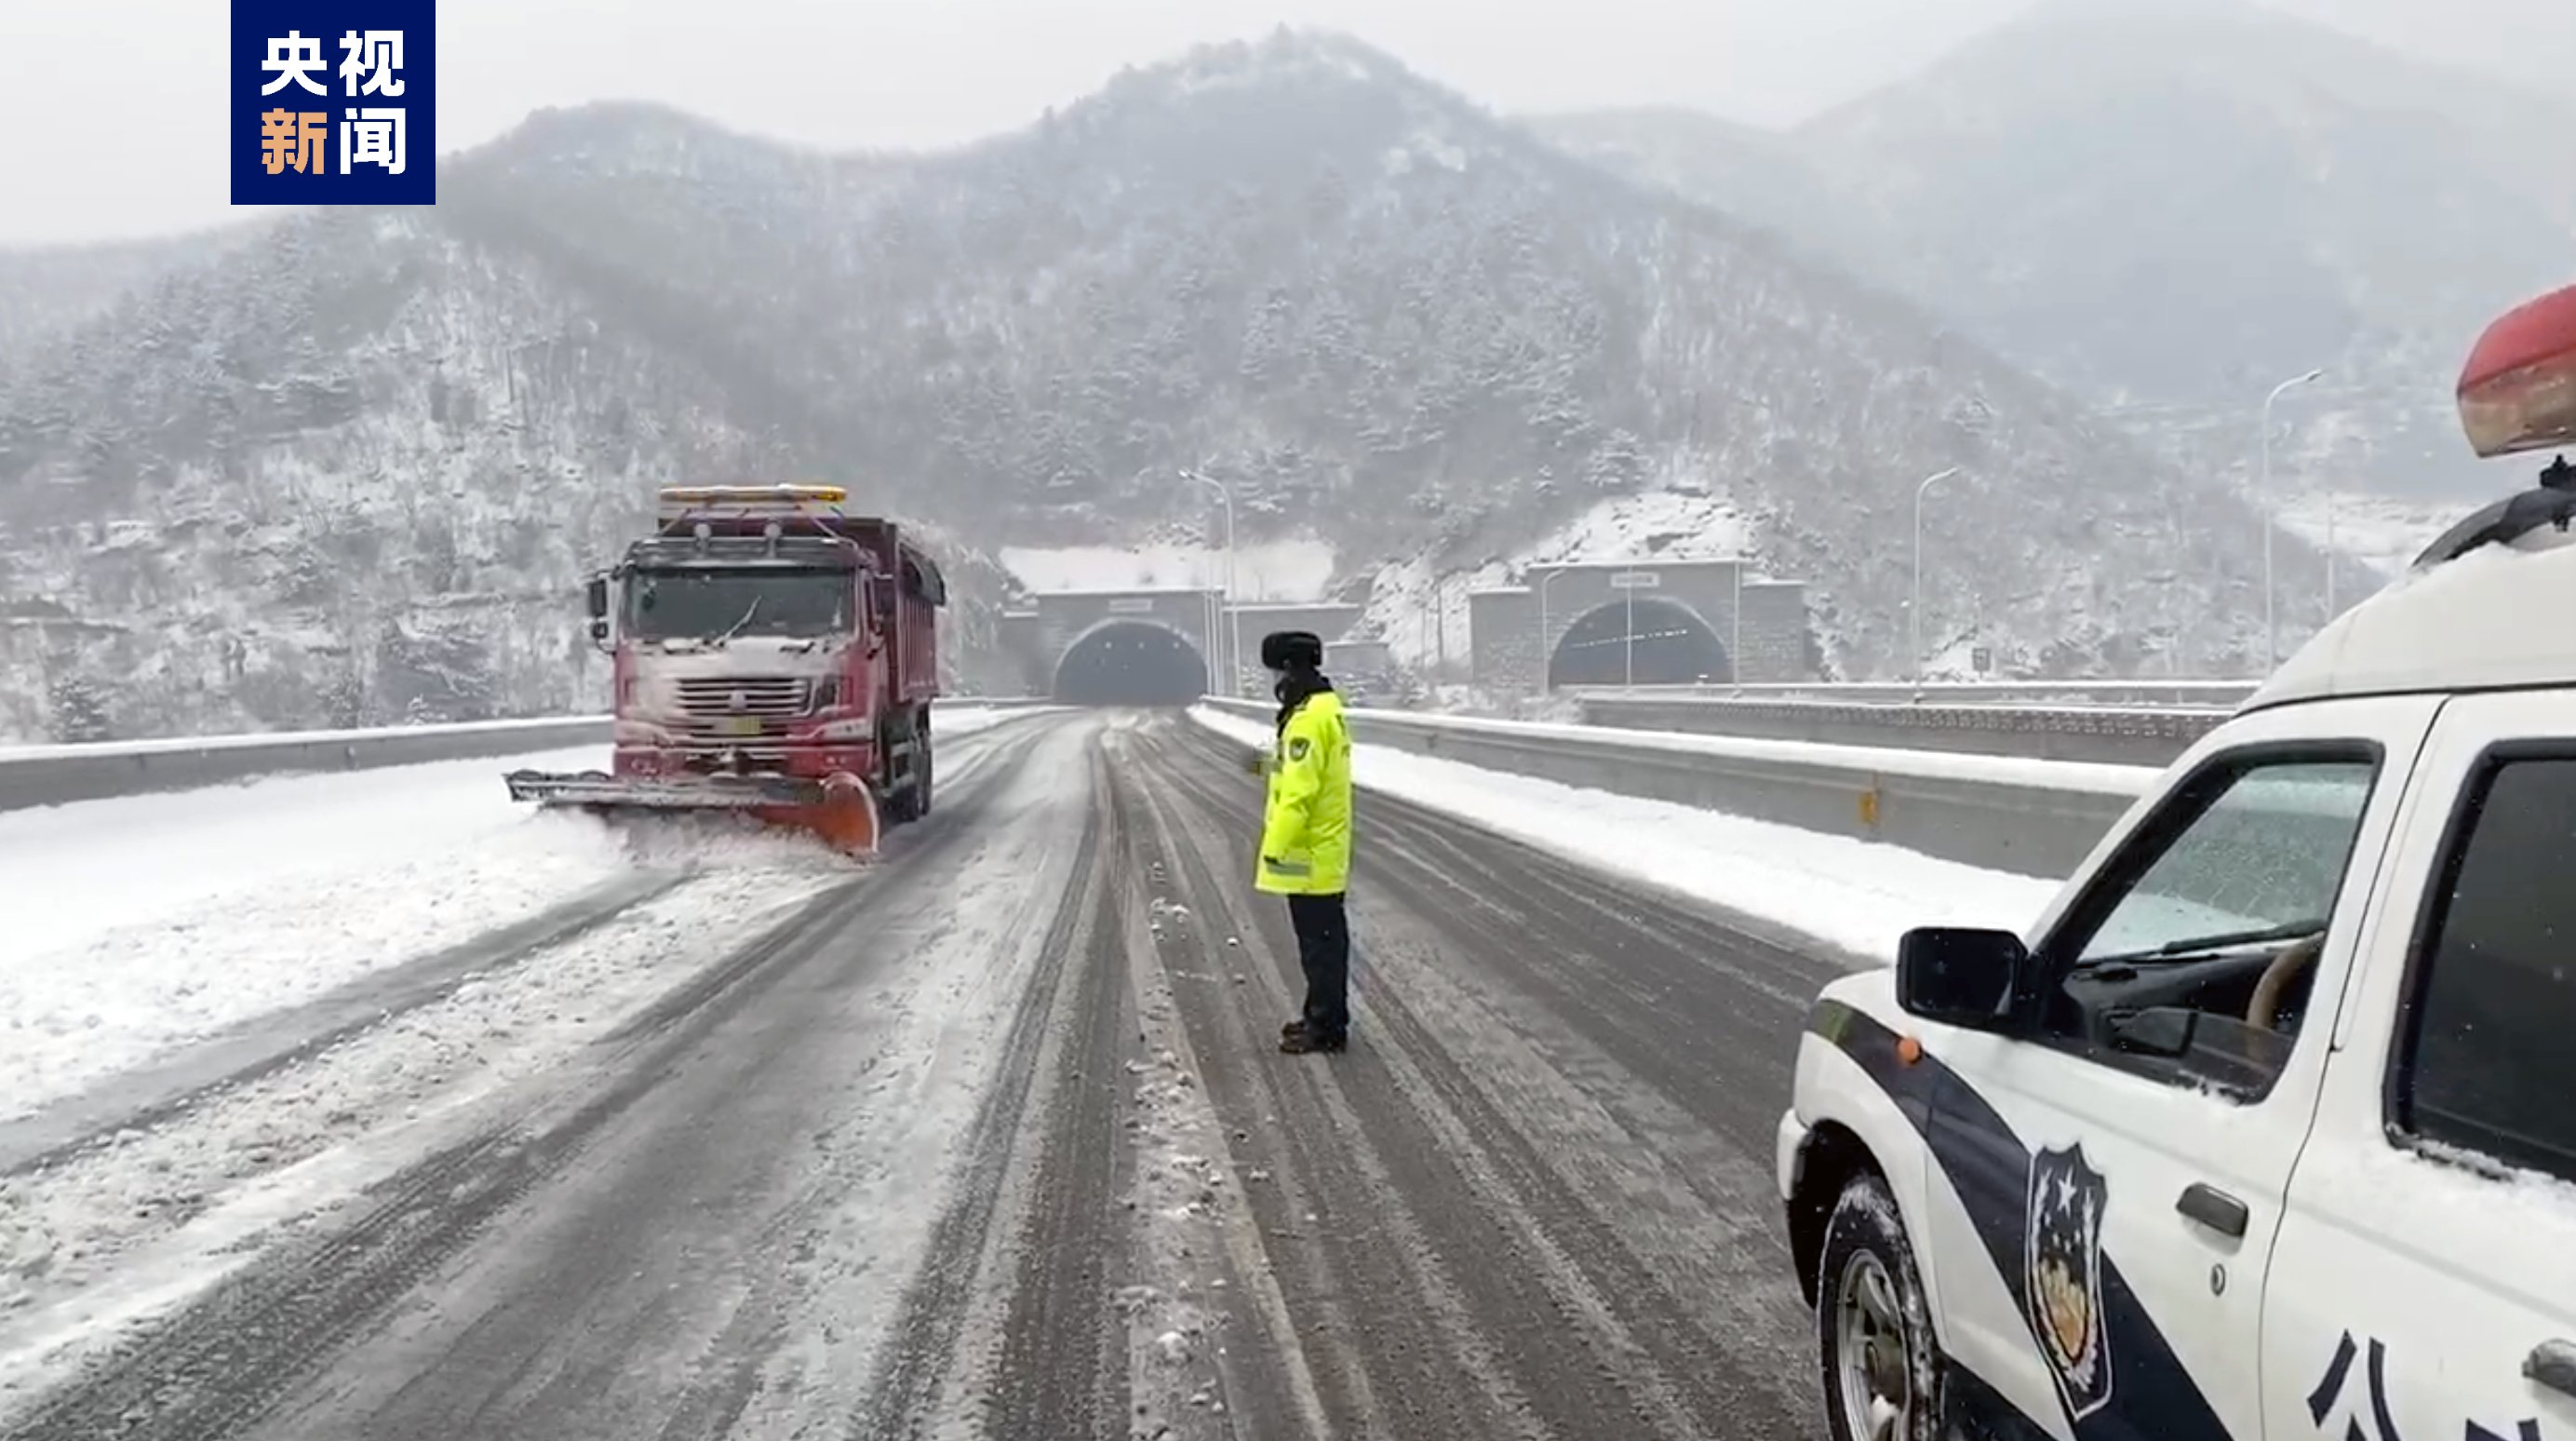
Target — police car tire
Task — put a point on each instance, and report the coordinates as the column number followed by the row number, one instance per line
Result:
column 1865, row 1218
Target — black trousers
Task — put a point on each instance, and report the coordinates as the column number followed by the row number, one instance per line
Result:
column 1324, row 951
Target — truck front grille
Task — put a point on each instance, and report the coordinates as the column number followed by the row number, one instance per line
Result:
column 746, row 696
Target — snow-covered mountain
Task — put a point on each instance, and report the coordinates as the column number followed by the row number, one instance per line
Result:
column 356, row 468
column 46, row 290
column 2170, row 205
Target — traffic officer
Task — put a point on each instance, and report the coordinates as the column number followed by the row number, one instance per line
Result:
column 1306, row 834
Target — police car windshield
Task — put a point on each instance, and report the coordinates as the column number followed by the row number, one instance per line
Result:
column 2201, row 945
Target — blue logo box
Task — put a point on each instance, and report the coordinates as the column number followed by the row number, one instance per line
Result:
column 334, row 102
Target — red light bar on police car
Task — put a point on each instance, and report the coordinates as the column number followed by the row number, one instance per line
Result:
column 2518, row 391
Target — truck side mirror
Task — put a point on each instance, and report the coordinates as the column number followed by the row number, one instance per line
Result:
column 596, row 597
column 881, row 596
column 1960, row 976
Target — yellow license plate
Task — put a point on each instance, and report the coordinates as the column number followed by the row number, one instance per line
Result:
column 738, row 725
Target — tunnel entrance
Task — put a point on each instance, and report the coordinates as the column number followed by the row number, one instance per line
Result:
column 1671, row 646
column 1131, row 662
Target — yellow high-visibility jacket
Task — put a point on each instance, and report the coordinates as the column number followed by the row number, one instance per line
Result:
column 1306, row 827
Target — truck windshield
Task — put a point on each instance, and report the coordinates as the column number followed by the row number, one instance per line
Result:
column 712, row 604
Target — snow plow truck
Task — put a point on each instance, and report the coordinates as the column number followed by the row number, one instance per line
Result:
column 772, row 655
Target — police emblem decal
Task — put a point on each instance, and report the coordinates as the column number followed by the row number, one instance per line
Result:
column 1297, row 748
column 2062, row 1275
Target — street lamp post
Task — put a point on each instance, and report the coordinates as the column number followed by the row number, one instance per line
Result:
column 1231, row 645
column 1735, row 627
column 1914, row 608
column 2271, row 634
column 1546, row 671
column 1628, row 642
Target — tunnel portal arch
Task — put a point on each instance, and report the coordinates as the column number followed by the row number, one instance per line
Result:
column 1673, row 646
column 1130, row 663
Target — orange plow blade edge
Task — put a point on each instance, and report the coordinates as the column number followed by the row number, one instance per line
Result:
column 839, row 810
column 845, row 818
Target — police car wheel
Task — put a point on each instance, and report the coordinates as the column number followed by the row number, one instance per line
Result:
column 1882, row 1373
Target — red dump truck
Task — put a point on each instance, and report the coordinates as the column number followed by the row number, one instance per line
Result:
column 772, row 655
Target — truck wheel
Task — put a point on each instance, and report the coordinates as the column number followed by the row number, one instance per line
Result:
column 921, row 796
column 891, row 800
column 1884, row 1378
column 903, row 802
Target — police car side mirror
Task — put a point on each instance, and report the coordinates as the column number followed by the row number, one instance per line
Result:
column 1960, row 976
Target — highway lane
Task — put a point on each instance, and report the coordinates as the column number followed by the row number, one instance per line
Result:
column 994, row 1141
column 1534, row 1198
column 706, row 1221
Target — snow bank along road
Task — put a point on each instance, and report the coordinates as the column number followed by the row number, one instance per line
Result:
column 989, row 1139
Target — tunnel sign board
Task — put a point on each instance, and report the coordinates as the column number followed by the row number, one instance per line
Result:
column 1132, row 605
column 1635, row 580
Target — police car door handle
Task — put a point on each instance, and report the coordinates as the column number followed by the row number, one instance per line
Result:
column 2213, row 1208
column 2553, row 1364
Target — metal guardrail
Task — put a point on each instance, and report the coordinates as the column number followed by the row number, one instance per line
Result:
column 2108, row 735
column 2032, row 817
column 2211, row 693
column 48, row 775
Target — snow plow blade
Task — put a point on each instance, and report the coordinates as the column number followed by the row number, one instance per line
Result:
column 839, row 809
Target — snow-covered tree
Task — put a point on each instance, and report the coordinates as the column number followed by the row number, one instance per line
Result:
column 78, row 709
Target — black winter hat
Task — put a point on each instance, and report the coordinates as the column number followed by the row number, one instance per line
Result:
column 1288, row 649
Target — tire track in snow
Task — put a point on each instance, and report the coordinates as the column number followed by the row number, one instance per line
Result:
column 946, row 1334
column 1062, row 1367
column 1203, row 1298
column 1387, row 1324
column 266, row 1045
column 232, row 1358
column 1509, row 1257
column 1541, row 1172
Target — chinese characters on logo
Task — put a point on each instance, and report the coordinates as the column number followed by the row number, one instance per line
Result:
column 300, row 140
column 331, row 99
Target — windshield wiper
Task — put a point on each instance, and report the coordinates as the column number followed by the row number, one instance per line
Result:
column 736, row 628
column 2224, row 940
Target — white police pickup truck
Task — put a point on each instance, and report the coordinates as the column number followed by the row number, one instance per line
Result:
column 2269, row 1129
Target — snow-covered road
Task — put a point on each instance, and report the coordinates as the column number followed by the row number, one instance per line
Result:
column 232, row 1146
column 987, row 1139
column 160, row 919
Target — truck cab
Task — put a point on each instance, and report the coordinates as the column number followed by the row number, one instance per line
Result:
column 2265, row 1129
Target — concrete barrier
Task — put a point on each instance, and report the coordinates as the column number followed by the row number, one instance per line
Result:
column 51, row 775
column 54, row 775
column 2101, row 734
column 2032, row 817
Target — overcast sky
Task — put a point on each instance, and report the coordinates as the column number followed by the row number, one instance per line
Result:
column 113, row 109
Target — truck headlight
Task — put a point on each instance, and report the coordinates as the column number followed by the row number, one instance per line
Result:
column 827, row 693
